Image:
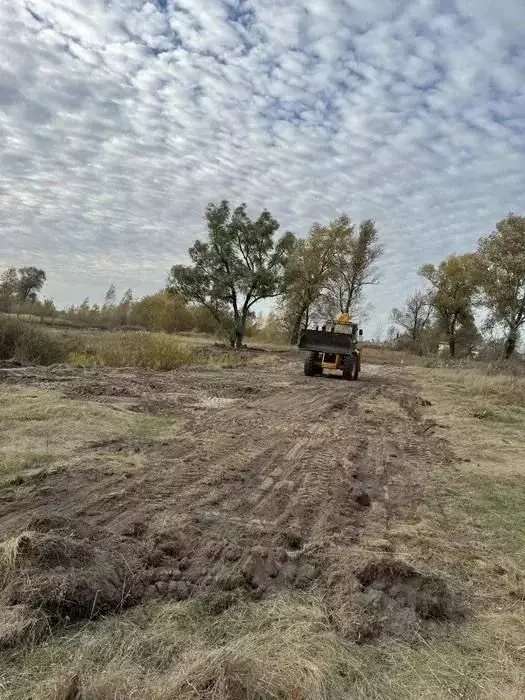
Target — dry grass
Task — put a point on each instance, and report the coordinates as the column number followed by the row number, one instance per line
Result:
column 40, row 429
column 152, row 350
column 481, row 412
column 158, row 351
column 9, row 551
column 27, row 344
column 282, row 649
column 501, row 388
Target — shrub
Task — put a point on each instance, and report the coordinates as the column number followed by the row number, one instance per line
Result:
column 137, row 349
column 26, row 344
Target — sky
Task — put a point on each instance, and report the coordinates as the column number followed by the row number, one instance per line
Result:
column 121, row 119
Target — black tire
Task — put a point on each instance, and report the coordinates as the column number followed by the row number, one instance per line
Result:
column 357, row 368
column 311, row 365
column 349, row 367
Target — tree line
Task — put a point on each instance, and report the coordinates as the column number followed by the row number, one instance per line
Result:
column 489, row 281
column 243, row 261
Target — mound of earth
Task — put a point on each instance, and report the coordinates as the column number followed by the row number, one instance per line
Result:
column 66, row 570
column 398, row 601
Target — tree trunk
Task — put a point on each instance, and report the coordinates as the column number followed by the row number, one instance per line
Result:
column 296, row 329
column 510, row 344
column 294, row 335
column 349, row 298
column 452, row 338
column 239, row 328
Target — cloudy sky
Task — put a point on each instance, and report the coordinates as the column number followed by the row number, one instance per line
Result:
column 121, row 119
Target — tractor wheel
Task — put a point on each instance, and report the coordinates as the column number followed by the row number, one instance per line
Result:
column 311, row 365
column 357, row 367
column 349, row 367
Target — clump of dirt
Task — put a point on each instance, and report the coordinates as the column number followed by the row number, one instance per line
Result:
column 181, row 565
column 398, row 601
column 67, row 570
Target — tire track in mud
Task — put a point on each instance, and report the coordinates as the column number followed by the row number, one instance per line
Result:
column 293, row 483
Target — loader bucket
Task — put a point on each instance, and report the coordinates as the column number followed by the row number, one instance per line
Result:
column 326, row 341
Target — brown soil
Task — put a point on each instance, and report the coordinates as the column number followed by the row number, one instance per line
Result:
column 266, row 481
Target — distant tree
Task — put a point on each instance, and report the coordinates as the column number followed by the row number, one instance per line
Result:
column 123, row 309
column 501, row 270
column 415, row 316
column 110, row 299
column 356, row 266
column 162, row 312
column 239, row 265
column 271, row 329
column 313, row 264
column 127, row 298
column 203, row 321
column 8, row 289
column 453, row 285
column 30, row 282
column 48, row 308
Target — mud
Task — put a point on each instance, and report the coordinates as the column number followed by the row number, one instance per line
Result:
column 398, row 601
column 266, row 482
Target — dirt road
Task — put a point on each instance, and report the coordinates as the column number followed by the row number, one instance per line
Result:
column 258, row 480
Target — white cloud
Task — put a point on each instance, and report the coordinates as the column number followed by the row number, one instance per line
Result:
column 121, row 119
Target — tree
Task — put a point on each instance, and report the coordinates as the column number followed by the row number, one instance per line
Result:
column 30, row 282
column 8, row 289
column 312, row 264
column 415, row 316
column 453, row 285
column 356, row 266
column 239, row 265
column 48, row 308
column 111, row 297
column 501, row 269
column 123, row 309
column 162, row 312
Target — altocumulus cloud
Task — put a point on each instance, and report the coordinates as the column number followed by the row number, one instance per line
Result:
column 121, row 119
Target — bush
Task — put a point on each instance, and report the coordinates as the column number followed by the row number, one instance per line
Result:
column 26, row 344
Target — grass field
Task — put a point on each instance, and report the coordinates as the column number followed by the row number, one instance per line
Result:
column 440, row 450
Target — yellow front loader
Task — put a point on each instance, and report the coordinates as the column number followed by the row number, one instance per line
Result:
column 333, row 349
